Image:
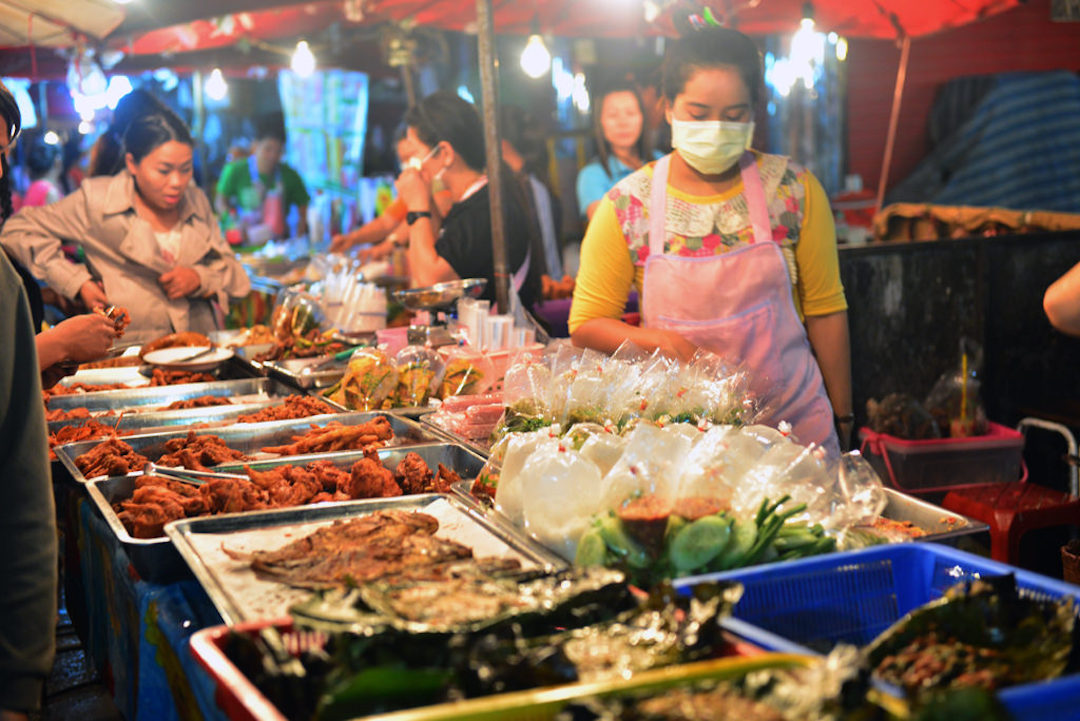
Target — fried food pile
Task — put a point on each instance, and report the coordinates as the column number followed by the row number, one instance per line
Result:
column 335, row 436
column 385, row 545
column 255, row 335
column 200, row 402
column 123, row 361
column 119, row 316
column 196, row 452
column 293, row 407
column 84, row 432
column 162, row 377
column 311, row 344
column 66, row 390
column 111, row 458
column 70, row 415
column 158, row 500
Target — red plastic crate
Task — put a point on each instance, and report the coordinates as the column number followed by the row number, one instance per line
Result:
column 946, row 464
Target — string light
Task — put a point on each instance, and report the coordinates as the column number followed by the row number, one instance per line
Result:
column 303, row 60
column 216, row 87
column 535, row 58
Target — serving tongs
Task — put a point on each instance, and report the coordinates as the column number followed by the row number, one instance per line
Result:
column 185, row 475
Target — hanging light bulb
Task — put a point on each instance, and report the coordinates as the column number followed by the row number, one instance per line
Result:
column 303, row 60
column 51, row 138
column 216, row 87
column 841, row 49
column 86, row 127
column 535, row 58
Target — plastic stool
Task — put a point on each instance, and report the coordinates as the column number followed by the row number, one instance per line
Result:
column 1012, row 509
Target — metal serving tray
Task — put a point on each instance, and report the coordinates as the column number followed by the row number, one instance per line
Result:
column 250, row 390
column 156, row 560
column 248, row 438
column 292, row 371
column 239, row 595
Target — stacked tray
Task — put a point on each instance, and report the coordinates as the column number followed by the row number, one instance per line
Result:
column 248, row 438
column 239, row 595
column 156, row 560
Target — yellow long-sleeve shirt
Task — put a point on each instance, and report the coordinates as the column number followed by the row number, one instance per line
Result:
column 616, row 243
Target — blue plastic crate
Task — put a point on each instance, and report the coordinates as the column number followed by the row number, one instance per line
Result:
column 810, row 605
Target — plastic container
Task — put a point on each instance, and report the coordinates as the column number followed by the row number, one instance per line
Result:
column 240, row 700
column 810, row 605
column 945, row 464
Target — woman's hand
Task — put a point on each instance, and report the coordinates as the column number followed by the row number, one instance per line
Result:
column 341, row 243
column 84, row 337
column 673, row 345
column 93, row 295
column 413, row 190
column 376, row 252
column 180, row 282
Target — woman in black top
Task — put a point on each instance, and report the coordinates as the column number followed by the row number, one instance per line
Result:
column 447, row 139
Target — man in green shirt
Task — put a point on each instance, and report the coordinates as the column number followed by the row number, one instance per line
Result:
column 257, row 192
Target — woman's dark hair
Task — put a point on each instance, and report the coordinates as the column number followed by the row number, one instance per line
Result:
column 445, row 117
column 711, row 47
column 271, row 127
column 9, row 111
column 41, row 157
column 603, row 147
column 107, row 155
column 146, row 134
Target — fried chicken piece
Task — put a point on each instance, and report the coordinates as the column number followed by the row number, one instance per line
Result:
column 233, row 495
column 297, row 489
column 162, row 377
column 332, row 477
column 371, row 479
column 200, row 402
column 197, row 453
column 335, row 436
column 445, row 479
column 146, row 520
column 74, row 414
column 84, row 432
column 110, row 458
column 186, row 494
column 413, row 475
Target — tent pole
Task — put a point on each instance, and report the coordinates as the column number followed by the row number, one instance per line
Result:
column 489, row 82
column 894, row 119
column 409, row 82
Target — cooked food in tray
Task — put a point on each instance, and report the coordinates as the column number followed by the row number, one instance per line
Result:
column 197, row 453
column 255, row 335
column 158, row 500
column 162, row 377
column 122, row 361
column 75, row 414
column 62, row 390
column 311, row 344
column 335, row 436
column 200, row 402
column 158, row 377
column 175, row 340
column 84, row 432
column 293, row 407
column 111, row 458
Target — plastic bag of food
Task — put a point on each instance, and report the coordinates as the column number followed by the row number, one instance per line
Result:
column 466, row 373
column 515, row 451
column 954, row 401
column 526, row 389
column 370, row 379
column 561, row 493
column 297, row 313
column 420, row 370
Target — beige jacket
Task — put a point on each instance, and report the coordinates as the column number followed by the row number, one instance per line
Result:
column 123, row 253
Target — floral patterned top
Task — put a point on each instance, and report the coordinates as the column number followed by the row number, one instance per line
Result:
column 708, row 225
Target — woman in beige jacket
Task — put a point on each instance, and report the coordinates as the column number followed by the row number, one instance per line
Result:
column 152, row 243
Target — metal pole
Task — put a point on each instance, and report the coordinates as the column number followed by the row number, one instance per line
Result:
column 894, row 120
column 489, row 86
column 410, row 83
column 198, row 122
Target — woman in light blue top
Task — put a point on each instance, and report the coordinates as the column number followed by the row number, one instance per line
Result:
column 622, row 144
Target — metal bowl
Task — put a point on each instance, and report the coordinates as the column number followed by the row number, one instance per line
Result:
column 441, row 295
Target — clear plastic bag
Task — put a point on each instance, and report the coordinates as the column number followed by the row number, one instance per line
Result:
column 369, row 381
column 955, row 401
column 420, row 370
column 465, row 373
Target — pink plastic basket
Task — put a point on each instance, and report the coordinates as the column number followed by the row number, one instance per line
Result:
column 946, row 464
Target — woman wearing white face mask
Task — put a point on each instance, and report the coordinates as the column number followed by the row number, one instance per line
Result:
column 447, row 136
column 734, row 251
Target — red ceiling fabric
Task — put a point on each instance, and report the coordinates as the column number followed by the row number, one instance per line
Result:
column 568, row 18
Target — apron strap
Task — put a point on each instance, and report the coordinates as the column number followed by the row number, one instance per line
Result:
column 755, row 198
column 658, row 205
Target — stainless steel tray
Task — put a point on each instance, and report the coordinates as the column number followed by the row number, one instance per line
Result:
column 249, row 438
column 239, row 595
column 292, row 371
column 425, row 420
column 414, row 412
column 154, row 397
column 156, row 560
column 942, row 526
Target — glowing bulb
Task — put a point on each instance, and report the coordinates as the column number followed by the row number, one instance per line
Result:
column 51, row 138
column 121, row 2
column 535, row 58
column 841, row 49
column 652, row 11
column 303, row 60
column 216, row 87
column 86, row 127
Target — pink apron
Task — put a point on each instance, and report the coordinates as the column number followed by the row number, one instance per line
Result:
column 739, row 306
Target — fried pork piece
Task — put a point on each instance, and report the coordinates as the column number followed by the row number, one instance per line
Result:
column 73, row 415
column 84, row 432
column 233, row 495
column 445, row 478
column 111, row 458
column 293, row 407
column 413, row 475
column 380, row 545
column 371, row 479
column 161, row 377
column 200, row 402
column 337, row 437
column 333, row 479
column 62, row 390
column 196, row 453
column 155, row 502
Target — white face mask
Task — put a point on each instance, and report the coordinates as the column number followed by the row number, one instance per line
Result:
column 711, row 146
column 437, row 184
